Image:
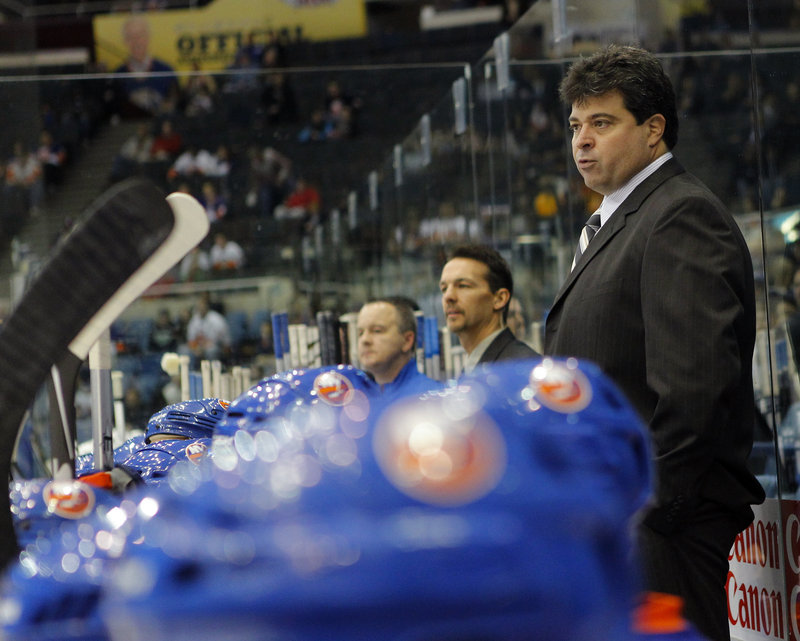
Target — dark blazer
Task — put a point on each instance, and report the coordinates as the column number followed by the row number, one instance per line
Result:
column 663, row 301
column 506, row 346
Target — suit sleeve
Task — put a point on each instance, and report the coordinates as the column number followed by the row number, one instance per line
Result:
column 694, row 307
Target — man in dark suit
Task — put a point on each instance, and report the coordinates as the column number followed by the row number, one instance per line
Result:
column 663, row 300
column 476, row 286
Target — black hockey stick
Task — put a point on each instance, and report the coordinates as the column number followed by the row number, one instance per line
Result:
column 113, row 238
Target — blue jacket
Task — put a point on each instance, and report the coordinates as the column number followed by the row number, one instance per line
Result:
column 409, row 382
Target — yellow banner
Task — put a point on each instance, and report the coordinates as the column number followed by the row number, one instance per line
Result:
column 212, row 34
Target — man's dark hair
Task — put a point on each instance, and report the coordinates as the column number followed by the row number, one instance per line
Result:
column 637, row 74
column 499, row 276
column 405, row 307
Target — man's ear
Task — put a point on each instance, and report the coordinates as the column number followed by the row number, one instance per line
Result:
column 501, row 298
column 409, row 341
column 656, row 124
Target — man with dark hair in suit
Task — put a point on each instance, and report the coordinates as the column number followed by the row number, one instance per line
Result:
column 476, row 286
column 662, row 299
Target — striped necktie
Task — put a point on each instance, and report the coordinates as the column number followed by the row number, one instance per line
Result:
column 587, row 233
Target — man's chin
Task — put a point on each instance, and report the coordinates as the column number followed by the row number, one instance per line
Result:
column 453, row 324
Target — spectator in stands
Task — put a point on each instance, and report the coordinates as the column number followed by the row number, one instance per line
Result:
column 268, row 177
column 185, row 165
column 164, row 334
column 252, row 49
column 336, row 98
column 200, row 163
column 342, row 122
column 213, row 202
column 448, row 226
column 278, row 100
column 226, row 255
column 243, row 74
column 317, row 130
column 302, row 204
column 339, row 115
column 215, row 164
column 195, row 265
column 199, row 93
column 387, row 346
column 167, row 143
column 53, row 156
column 149, row 85
column 134, row 152
column 24, row 180
column 200, row 102
column 272, row 56
column 208, row 334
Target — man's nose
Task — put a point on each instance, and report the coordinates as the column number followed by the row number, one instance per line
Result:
column 582, row 138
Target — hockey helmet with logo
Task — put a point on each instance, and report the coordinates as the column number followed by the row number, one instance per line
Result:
column 309, row 396
column 187, row 419
column 153, row 462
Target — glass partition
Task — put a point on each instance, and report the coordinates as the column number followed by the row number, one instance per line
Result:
column 419, row 159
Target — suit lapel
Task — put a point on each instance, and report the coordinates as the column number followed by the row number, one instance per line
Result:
column 618, row 221
column 496, row 346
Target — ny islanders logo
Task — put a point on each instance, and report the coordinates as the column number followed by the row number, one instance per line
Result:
column 68, row 499
column 334, row 388
column 196, row 451
column 562, row 387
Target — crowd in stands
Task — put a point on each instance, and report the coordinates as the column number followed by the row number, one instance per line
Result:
column 38, row 155
column 227, row 139
column 230, row 139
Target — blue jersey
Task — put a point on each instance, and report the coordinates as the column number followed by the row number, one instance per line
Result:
column 409, row 382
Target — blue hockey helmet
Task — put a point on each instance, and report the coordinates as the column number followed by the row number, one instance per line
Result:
column 187, row 419
column 292, row 393
column 153, row 462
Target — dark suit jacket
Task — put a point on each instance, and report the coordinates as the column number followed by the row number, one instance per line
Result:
column 505, row 346
column 663, row 301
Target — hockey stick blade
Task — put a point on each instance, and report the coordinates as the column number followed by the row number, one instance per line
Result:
column 113, row 238
column 190, row 227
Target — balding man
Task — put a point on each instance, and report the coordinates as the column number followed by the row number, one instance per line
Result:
column 387, row 337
